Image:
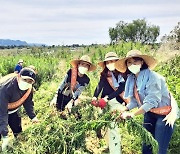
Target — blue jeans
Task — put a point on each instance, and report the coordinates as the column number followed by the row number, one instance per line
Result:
column 161, row 132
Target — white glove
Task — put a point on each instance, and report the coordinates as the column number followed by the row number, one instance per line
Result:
column 127, row 115
column 69, row 105
column 106, row 98
column 94, row 99
column 174, row 114
column 53, row 101
column 5, row 142
column 35, row 120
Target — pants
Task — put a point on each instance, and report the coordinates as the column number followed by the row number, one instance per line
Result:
column 161, row 132
column 62, row 101
column 114, row 134
column 14, row 121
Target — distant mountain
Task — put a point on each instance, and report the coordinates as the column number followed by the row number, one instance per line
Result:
column 8, row 42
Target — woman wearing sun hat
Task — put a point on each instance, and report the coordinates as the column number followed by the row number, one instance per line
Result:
column 147, row 90
column 74, row 83
column 111, row 85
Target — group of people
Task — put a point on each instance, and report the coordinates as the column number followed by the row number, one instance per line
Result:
column 125, row 83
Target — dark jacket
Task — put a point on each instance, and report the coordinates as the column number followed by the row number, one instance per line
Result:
column 106, row 89
column 10, row 92
column 82, row 82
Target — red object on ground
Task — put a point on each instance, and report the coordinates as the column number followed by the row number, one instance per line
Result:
column 102, row 103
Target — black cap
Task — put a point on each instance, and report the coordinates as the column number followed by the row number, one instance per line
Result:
column 28, row 73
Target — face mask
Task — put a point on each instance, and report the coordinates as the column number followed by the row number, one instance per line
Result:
column 135, row 68
column 24, row 85
column 82, row 70
column 111, row 66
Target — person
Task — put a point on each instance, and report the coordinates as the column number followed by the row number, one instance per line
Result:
column 111, row 84
column 19, row 66
column 73, row 84
column 147, row 90
column 15, row 91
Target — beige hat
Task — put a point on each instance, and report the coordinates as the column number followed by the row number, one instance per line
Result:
column 108, row 56
column 86, row 59
column 20, row 61
column 120, row 65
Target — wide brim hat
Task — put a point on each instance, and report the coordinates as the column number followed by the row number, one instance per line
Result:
column 85, row 59
column 120, row 65
column 28, row 73
column 109, row 56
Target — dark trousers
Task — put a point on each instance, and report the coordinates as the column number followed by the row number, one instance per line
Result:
column 62, row 101
column 161, row 132
column 14, row 121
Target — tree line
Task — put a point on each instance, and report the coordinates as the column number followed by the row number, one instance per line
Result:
column 136, row 31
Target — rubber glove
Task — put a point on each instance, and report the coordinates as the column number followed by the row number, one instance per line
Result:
column 102, row 103
column 173, row 115
column 5, row 142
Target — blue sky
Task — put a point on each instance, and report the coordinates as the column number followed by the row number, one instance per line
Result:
column 80, row 21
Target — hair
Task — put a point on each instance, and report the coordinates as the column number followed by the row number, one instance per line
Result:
column 144, row 66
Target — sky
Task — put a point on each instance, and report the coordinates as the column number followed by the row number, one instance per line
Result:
column 66, row 22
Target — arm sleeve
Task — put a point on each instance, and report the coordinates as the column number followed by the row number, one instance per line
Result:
column 4, row 99
column 63, row 82
column 117, row 92
column 153, row 97
column 29, row 107
column 133, row 104
column 79, row 90
column 98, row 88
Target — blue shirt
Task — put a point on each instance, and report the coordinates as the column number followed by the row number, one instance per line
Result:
column 153, row 94
column 18, row 68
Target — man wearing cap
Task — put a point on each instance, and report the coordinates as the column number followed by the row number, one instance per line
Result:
column 15, row 91
column 73, row 84
column 19, row 66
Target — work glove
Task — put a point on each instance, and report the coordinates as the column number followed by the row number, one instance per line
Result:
column 69, row 105
column 173, row 115
column 5, row 142
column 94, row 99
column 127, row 115
column 106, row 98
column 35, row 120
column 53, row 101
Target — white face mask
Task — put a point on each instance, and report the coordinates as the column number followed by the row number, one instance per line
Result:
column 111, row 66
column 24, row 85
column 135, row 68
column 82, row 70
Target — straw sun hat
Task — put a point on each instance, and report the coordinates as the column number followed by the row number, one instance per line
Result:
column 120, row 65
column 86, row 59
column 108, row 56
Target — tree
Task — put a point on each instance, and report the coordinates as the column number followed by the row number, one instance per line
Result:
column 137, row 31
column 175, row 33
